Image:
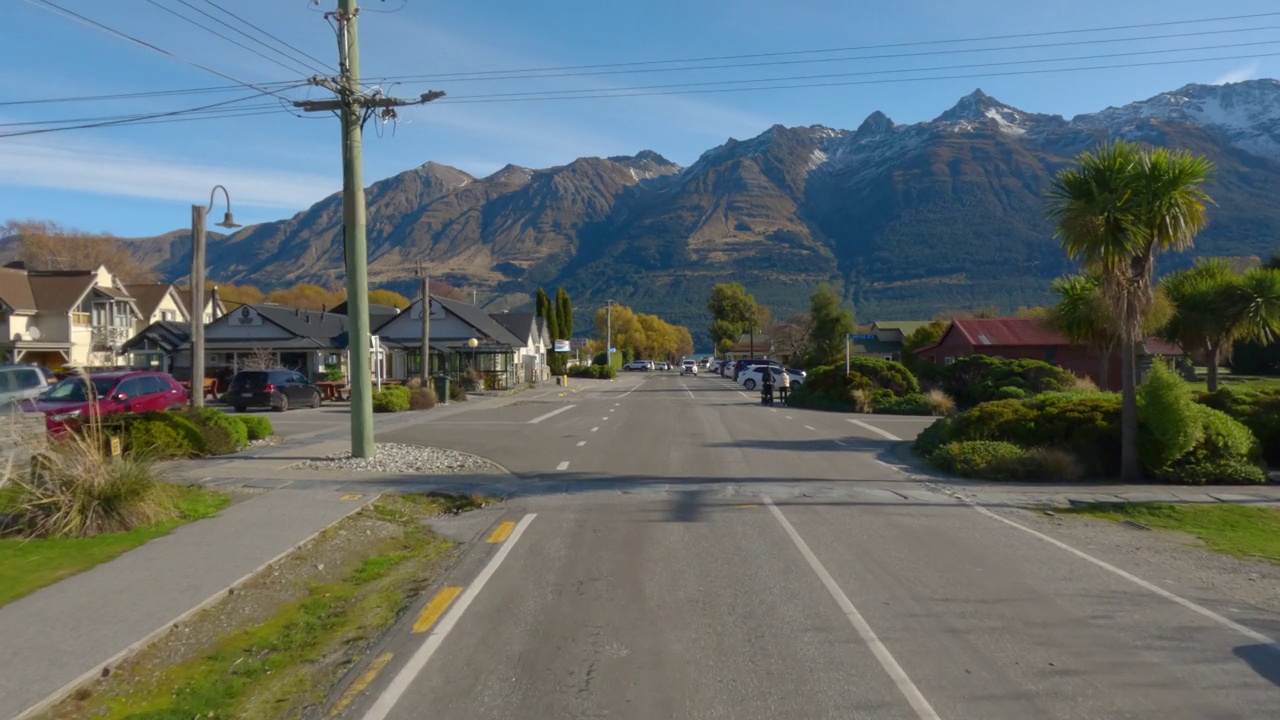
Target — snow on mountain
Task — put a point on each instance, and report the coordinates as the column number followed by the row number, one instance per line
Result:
column 1247, row 112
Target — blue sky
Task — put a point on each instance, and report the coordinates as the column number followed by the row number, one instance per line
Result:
column 141, row 179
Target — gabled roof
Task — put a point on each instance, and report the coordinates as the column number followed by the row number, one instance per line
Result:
column 480, row 320
column 15, row 290
column 375, row 311
column 185, row 297
column 1007, row 332
column 906, row 327
column 520, row 324
column 304, row 323
column 149, row 296
column 167, row 335
column 60, row 291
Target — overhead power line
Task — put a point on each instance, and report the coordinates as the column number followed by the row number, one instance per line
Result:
column 968, row 66
column 856, row 48
column 233, row 41
column 328, row 66
column 310, row 66
column 150, row 93
column 881, row 81
column 49, row 6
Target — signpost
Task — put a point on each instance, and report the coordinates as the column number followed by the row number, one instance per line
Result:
column 562, row 346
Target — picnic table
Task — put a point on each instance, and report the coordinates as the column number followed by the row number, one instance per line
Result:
column 334, row 389
column 210, row 387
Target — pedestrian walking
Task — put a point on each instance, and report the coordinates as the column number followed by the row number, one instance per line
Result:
column 784, row 386
column 766, row 387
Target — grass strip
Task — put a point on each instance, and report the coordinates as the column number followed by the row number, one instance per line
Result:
column 28, row 565
column 1249, row 531
column 286, row 666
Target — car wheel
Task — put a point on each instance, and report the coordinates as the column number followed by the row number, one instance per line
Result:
column 317, row 400
column 749, row 384
column 240, row 408
column 284, row 403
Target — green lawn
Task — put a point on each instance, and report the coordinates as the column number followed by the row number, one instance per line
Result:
column 28, row 565
column 1226, row 379
column 1241, row 530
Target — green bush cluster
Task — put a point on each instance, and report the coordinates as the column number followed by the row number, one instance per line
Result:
column 978, row 379
column 392, row 398
column 1258, row 410
column 976, row 458
column 597, row 372
column 188, row 432
column 257, row 426
column 913, row 404
column 157, row 440
column 871, row 385
column 1064, row 434
column 867, row 373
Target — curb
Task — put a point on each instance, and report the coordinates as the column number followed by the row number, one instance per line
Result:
column 138, row 646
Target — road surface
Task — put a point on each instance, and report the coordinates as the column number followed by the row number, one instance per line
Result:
column 706, row 557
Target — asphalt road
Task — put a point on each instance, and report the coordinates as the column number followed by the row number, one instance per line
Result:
column 710, row 558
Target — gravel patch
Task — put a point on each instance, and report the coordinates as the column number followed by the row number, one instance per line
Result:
column 397, row 458
column 1176, row 561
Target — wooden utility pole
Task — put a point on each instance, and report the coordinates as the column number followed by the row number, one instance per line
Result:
column 197, row 304
column 354, row 107
column 426, row 327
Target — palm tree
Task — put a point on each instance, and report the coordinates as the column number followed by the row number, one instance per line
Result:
column 1115, row 210
column 1215, row 307
column 1082, row 316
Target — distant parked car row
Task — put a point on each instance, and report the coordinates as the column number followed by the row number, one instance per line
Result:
column 68, row 404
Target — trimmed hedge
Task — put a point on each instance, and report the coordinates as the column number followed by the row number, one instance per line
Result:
column 977, row 458
column 596, row 372
column 223, row 434
column 913, row 404
column 257, row 426
column 1258, row 410
column 978, row 379
column 868, row 373
column 156, row 440
column 872, row 385
column 392, row 398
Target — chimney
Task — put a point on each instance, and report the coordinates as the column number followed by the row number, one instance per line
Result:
column 213, row 302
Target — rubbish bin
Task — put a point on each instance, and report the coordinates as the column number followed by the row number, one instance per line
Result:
column 442, row 389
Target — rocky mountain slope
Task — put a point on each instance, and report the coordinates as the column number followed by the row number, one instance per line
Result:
column 907, row 220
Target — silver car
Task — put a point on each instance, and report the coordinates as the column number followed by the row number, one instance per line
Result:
column 20, row 382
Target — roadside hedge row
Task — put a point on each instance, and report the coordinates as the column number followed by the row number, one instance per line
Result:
column 1064, row 435
column 190, row 432
column 597, row 372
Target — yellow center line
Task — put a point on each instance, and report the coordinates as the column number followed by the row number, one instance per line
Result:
column 502, row 532
column 434, row 609
column 360, row 684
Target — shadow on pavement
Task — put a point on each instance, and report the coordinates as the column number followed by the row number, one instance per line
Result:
column 1263, row 658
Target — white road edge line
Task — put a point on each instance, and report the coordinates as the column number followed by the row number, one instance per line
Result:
column 563, row 466
column 1206, row 612
column 637, row 387
column 686, row 388
column 551, row 414
column 899, row 676
column 745, row 395
column 581, row 443
column 396, row 689
column 882, row 433
column 810, row 427
column 595, row 429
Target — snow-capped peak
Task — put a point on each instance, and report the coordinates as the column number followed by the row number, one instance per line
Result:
column 978, row 108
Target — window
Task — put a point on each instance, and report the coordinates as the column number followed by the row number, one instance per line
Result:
column 152, row 384
column 948, row 361
column 133, row 387
column 297, row 378
column 167, row 315
column 30, row 379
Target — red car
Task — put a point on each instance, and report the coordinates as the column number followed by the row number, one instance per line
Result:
column 67, row 404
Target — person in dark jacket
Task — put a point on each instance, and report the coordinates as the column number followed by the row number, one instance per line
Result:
column 766, row 386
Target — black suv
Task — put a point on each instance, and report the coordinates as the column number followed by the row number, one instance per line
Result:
column 276, row 389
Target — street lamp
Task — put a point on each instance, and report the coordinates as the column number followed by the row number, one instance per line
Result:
column 608, row 334
column 198, row 220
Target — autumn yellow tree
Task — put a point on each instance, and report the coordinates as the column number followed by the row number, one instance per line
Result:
column 306, row 296
column 44, row 245
column 388, row 297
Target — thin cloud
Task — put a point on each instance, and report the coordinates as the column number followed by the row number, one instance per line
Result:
column 125, row 172
column 1240, row 74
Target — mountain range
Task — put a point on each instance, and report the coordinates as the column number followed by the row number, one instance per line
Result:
column 906, row 221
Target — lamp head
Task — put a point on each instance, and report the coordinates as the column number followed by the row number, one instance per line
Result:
column 472, row 343
column 228, row 221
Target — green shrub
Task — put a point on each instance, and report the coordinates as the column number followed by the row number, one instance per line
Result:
column 257, row 426
column 932, row 438
column 976, row 458
column 456, row 392
column 1009, row 420
column 604, row 372
column 1170, row 422
column 583, row 371
column 1217, row 472
column 1225, row 438
column 1259, row 410
column 157, row 440
column 391, row 398
column 222, row 433
column 914, row 404
column 1048, row 464
column 422, row 399
column 1085, row 424
column 978, row 378
column 874, row 373
column 1010, row 392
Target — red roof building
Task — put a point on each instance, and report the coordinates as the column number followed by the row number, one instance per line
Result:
column 1029, row 339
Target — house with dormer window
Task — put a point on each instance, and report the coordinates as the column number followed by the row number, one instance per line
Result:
column 57, row 318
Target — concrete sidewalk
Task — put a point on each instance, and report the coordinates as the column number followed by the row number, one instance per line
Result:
column 68, row 632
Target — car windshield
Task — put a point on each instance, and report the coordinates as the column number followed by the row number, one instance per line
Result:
column 74, row 389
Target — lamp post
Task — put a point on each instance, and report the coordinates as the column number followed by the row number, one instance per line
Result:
column 198, row 219
column 472, row 343
column 608, row 334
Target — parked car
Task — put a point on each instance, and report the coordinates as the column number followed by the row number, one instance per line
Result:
column 18, row 383
column 751, row 377
column 741, row 365
column 67, row 405
column 689, row 366
column 276, row 389
column 639, row 365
